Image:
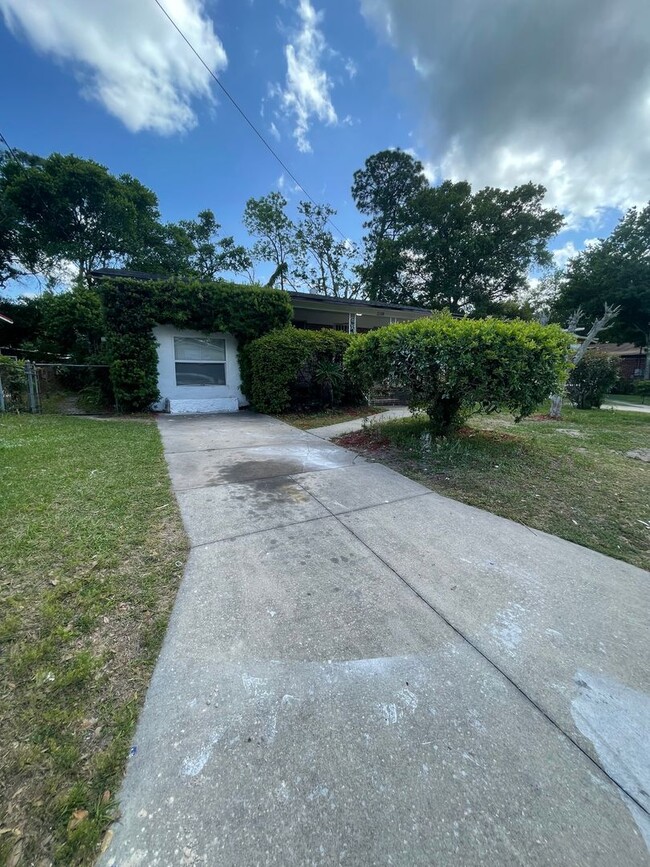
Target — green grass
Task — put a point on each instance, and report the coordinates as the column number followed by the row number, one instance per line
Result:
column 636, row 399
column 321, row 418
column 570, row 478
column 92, row 551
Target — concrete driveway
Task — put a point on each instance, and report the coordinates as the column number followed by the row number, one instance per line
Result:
column 359, row 671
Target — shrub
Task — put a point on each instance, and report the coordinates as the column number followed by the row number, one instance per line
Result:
column 14, row 383
column 133, row 307
column 623, row 386
column 450, row 367
column 642, row 388
column 591, row 379
column 295, row 368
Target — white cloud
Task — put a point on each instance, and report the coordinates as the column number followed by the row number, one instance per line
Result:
column 546, row 90
column 307, row 89
column 351, row 67
column 275, row 132
column 562, row 255
column 428, row 168
column 126, row 54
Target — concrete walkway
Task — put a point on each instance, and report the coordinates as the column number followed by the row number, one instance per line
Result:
column 359, row 671
column 330, row 431
column 627, row 407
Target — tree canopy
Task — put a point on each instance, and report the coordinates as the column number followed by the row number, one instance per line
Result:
column 616, row 271
column 67, row 211
column 445, row 246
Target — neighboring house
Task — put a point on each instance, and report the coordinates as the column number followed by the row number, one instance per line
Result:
column 199, row 372
column 632, row 358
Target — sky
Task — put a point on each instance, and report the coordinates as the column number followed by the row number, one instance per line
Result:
column 497, row 92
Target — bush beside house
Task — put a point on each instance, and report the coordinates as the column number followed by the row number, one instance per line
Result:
column 298, row 369
column 133, row 307
column 450, row 367
column 14, row 384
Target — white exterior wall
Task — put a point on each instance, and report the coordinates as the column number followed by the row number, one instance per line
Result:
column 196, row 398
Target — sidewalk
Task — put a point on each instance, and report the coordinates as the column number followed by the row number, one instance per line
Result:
column 360, row 671
column 331, row 431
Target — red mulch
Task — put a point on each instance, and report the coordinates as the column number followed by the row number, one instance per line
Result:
column 362, row 439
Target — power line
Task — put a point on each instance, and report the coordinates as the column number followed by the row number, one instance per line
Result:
column 9, row 148
column 244, row 115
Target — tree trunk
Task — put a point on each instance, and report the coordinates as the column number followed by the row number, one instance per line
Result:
column 556, row 406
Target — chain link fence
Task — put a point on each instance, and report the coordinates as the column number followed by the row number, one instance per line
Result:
column 59, row 388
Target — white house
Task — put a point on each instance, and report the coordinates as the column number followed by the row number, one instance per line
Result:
column 199, row 372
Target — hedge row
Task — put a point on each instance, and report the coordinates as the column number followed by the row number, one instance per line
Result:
column 298, row 369
column 450, row 367
column 133, row 307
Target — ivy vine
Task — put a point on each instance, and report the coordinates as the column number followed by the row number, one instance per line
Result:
column 133, row 307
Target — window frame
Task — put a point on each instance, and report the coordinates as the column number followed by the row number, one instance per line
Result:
column 178, row 361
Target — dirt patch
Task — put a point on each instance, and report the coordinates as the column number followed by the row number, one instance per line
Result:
column 362, row 440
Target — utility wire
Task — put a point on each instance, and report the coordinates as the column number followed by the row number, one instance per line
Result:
column 244, row 115
column 9, row 148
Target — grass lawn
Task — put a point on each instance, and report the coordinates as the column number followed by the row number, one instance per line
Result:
column 321, row 418
column 92, row 551
column 627, row 398
column 570, row 478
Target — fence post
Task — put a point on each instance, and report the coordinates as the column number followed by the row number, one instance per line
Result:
column 32, row 387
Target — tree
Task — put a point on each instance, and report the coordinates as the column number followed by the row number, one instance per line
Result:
column 191, row 248
column 468, row 251
column 324, row 262
column 598, row 325
column 389, row 180
column 71, row 211
column 265, row 219
column 615, row 270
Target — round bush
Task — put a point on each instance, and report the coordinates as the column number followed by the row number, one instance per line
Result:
column 591, row 379
column 450, row 367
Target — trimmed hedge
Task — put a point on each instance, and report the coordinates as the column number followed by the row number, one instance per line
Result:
column 296, row 368
column 133, row 307
column 450, row 367
column 591, row 379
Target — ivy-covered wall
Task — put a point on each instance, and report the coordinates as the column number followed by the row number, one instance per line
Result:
column 133, row 307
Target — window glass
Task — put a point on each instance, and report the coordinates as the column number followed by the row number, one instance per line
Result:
column 200, row 349
column 200, row 373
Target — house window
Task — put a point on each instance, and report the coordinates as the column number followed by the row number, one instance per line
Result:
column 200, row 360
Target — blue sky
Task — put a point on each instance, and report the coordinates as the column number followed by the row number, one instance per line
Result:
column 496, row 93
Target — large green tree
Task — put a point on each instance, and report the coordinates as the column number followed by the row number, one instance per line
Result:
column 616, row 271
column 191, row 248
column 266, row 220
column 73, row 212
column 381, row 190
column 325, row 263
column 464, row 251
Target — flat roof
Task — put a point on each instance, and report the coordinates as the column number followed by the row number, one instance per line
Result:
column 354, row 302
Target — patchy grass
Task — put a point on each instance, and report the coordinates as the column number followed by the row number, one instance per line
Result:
column 92, row 553
column 321, row 418
column 570, row 478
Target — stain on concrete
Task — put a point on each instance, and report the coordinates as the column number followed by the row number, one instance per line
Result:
column 616, row 719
